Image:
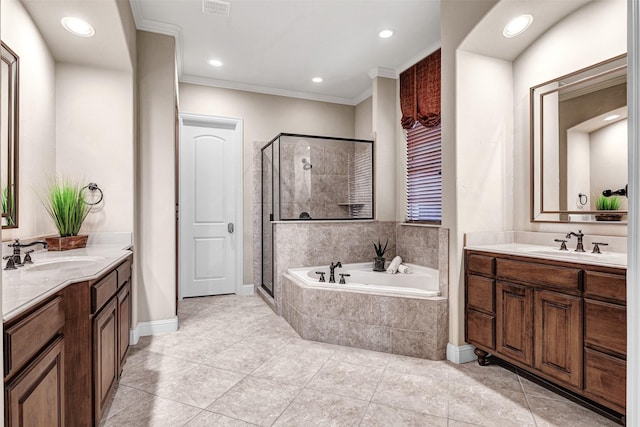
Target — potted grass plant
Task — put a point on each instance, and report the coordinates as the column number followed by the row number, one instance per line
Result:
column 611, row 203
column 67, row 209
column 379, row 259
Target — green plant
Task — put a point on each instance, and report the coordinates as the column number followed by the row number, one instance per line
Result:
column 379, row 249
column 608, row 203
column 7, row 206
column 66, row 207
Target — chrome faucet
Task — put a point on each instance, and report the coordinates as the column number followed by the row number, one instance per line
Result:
column 332, row 268
column 579, row 235
column 17, row 246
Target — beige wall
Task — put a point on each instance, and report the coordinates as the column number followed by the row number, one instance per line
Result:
column 155, row 178
column 94, row 139
column 265, row 116
column 37, row 144
column 385, row 126
column 364, row 119
column 455, row 26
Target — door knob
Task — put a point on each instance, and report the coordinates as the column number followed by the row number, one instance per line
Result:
column 230, row 228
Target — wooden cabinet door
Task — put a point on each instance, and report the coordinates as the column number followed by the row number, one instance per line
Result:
column 105, row 356
column 558, row 336
column 124, row 322
column 514, row 322
column 36, row 396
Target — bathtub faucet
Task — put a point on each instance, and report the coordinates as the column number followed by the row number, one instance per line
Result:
column 332, row 268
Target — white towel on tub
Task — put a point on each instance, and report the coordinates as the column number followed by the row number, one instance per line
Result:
column 395, row 263
column 404, row 269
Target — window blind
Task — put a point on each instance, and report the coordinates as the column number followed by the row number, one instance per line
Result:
column 424, row 177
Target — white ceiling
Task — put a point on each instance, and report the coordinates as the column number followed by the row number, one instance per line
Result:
column 487, row 39
column 107, row 48
column 277, row 46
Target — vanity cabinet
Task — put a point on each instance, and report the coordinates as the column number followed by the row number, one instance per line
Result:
column 63, row 358
column 34, row 367
column 561, row 321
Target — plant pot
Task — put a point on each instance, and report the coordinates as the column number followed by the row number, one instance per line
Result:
column 66, row 243
column 608, row 217
column 378, row 263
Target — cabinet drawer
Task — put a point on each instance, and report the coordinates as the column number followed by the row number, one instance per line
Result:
column 481, row 329
column 480, row 293
column 102, row 291
column 605, row 326
column 481, row 264
column 124, row 272
column 604, row 285
column 605, row 377
column 29, row 335
column 538, row 274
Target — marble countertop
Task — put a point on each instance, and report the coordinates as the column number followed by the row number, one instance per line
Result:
column 606, row 259
column 27, row 286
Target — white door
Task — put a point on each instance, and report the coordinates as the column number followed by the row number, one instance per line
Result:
column 208, row 189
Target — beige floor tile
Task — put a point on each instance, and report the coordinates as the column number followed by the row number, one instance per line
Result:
column 386, row 416
column 151, row 371
column 347, row 379
column 422, row 367
column 198, row 349
column 315, row 408
column 241, row 357
column 532, row 389
column 454, row 423
column 413, row 392
column 359, row 356
column 123, row 397
column 493, row 376
column 209, row 419
column 483, row 405
column 199, row 386
column 291, row 370
column 156, row 412
column 255, row 400
column 549, row 412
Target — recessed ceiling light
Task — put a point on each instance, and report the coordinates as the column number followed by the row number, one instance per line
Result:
column 77, row 26
column 216, row 63
column 517, row 25
column 317, row 79
column 385, row 34
column 611, row 117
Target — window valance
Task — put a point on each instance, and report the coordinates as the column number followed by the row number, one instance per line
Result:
column 420, row 93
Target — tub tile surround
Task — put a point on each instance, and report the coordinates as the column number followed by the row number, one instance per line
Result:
column 397, row 390
column 415, row 327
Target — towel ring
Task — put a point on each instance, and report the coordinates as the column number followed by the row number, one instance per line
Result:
column 582, row 197
column 92, row 186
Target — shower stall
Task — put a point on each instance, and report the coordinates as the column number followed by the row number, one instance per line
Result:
column 312, row 178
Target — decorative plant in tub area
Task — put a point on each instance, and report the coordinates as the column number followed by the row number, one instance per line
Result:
column 379, row 260
column 611, row 203
column 65, row 205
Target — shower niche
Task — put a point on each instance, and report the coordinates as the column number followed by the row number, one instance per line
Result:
column 313, row 178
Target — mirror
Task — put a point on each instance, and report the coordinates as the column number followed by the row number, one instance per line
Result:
column 9, row 137
column 579, row 145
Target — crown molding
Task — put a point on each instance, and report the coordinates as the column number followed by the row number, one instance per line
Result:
column 226, row 84
column 419, row 57
column 383, row 72
column 159, row 27
column 364, row 95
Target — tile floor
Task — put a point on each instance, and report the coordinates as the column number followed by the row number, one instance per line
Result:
column 235, row 363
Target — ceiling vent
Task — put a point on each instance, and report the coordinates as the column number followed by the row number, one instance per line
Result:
column 216, row 7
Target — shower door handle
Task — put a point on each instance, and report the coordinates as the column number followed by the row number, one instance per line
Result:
column 230, row 228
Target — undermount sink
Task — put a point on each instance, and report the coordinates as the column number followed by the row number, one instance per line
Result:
column 64, row 263
column 609, row 257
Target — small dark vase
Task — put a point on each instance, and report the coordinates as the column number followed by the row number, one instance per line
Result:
column 378, row 263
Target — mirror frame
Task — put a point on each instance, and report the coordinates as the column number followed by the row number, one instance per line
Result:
column 536, row 94
column 12, row 60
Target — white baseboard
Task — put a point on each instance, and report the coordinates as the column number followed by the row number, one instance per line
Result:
column 155, row 327
column 460, row 354
column 246, row 290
